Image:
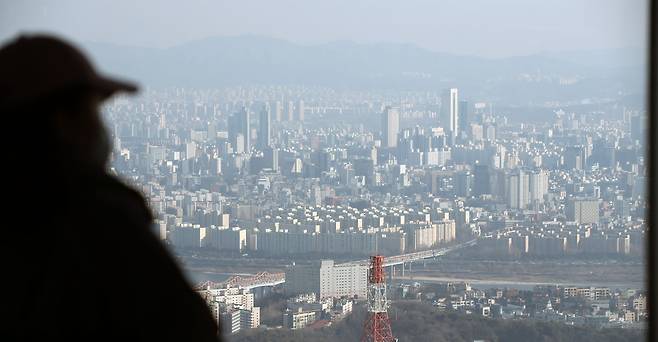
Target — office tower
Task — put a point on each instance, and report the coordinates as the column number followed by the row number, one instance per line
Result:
column 583, row 210
column 390, row 127
column 212, row 131
column 238, row 145
column 481, row 180
column 463, row 183
column 233, row 127
column 464, row 121
column 450, row 113
column 300, row 110
column 475, row 132
column 489, row 132
column 265, row 129
column 517, row 189
column 245, row 124
column 239, row 125
column 190, row 150
column 278, row 111
column 346, row 174
column 271, row 158
column 291, row 111
column 574, row 158
column 638, row 125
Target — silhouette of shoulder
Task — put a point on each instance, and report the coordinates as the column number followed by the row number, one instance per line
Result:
column 108, row 193
column 144, row 289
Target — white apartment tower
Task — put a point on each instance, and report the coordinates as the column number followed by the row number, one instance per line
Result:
column 327, row 279
column 390, row 127
column 517, row 189
column 449, row 117
column 538, row 186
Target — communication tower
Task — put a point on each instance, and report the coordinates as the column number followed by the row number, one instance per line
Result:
column 377, row 327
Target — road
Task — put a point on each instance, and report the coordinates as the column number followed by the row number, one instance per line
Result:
column 415, row 256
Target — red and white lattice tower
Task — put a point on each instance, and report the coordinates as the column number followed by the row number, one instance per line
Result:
column 377, row 327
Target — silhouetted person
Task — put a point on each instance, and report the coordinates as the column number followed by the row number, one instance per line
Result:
column 79, row 260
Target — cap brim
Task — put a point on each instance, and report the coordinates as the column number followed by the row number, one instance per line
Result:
column 108, row 86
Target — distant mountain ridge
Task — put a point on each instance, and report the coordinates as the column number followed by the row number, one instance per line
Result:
column 242, row 60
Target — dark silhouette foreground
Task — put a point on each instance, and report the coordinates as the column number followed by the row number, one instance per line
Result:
column 79, row 260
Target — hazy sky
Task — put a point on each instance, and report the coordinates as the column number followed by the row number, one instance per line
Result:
column 480, row 27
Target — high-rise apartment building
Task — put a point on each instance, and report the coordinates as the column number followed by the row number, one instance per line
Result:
column 233, row 307
column 239, row 125
column 265, row 129
column 300, row 110
column 517, row 189
column 449, row 117
column 481, row 180
column 465, row 120
column 278, row 111
column 574, row 158
column 538, row 186
column 390, row 127
column 583, row 210
column 291, row 111
column 327, row 279
column 463, row 183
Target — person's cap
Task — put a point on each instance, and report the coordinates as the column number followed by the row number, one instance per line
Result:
column 32, row 68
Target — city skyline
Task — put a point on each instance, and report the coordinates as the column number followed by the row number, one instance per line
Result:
column 298, row 215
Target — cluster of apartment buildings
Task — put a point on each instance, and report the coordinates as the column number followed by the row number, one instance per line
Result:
column 591, row 306
column 245, row 177
column 306, row 309
column 338, row 230
column 232, row 307
column 556, row 239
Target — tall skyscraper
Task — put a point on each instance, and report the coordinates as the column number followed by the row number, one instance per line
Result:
column 481, row 180
column 465, row 120
column 538, row 186
column 450, row 113
column 233, row 125
column 390, row 127
column 278, row 111
column 265, row 127
column 517, row 189
column 638, row 124
column 463, row 183
column 239, row 125
column 291, row 111
column 326, row 279
column 574, row 157
column 271, row 156
column 246, row 128
column 300, row 110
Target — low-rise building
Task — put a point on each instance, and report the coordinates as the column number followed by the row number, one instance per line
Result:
column 298, row 319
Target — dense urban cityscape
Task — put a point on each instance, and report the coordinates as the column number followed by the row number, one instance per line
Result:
column 320, row 179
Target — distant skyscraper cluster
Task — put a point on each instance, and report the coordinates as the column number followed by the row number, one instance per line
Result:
column 273, row 171
column 316, row 173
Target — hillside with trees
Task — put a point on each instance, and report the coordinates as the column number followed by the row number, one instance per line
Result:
column 416, row 321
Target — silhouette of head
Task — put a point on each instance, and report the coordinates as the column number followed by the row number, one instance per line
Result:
column 51, row 86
